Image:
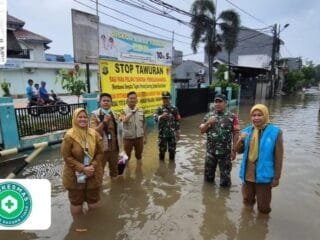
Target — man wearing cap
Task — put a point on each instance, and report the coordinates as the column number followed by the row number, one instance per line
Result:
column 222, row 129
column 168, row 119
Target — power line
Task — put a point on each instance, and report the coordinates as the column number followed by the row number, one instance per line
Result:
column 162, row 13
column 139, row 20
column 246, row 12
column 173, row 8
column 146, row 30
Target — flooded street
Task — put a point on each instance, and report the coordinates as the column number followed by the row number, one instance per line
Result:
column 166, row 200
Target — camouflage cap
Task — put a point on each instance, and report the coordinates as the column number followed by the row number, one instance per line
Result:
column 220, row 96
column 166, row 94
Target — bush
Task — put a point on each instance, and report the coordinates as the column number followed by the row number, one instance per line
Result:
column 5, row 86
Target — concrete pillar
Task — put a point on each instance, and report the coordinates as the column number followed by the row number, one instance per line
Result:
column 218, row 90
column 8, row 123
column 91, row 101
column 229, row 93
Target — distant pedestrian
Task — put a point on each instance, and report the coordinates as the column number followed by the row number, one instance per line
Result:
column 30, row 92
column 43, row 93
column 82, row 153
column 134, row 127
column 168, row 119
column 222, row 129
column 104, row 121
column 262, row 148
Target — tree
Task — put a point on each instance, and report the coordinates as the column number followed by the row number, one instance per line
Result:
column 230, row 30
column 219, row 74
column 204, row 23
column 294, row 80
column 309, row 73
column 70, row 80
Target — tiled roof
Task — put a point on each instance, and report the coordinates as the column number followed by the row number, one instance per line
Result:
column 25, row 35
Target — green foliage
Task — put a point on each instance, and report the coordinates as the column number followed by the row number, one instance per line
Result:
column 71, row 80
column 5, row 86
column 305, row 77
column 317, row 73
column 309, row 73
column 219, row 74
column 294, row 80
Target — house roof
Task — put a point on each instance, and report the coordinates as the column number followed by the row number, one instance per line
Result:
column 28, row 36
column 250, row 42
column 196, row 62
column 12, row 19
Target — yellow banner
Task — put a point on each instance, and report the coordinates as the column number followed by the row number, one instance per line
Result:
column 147, row 80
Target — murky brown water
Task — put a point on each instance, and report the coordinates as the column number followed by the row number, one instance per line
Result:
column 170, row 200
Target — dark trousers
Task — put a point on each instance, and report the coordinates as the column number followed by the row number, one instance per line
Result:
column 225, row 166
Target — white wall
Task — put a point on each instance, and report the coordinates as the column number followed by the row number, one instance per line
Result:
column 19, row 77
column 37, row 53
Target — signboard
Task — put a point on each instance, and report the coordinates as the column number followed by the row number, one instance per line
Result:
column 85, row 37
column 122, row 45
column 147, row 80
column 254, row 61
column 3, row 31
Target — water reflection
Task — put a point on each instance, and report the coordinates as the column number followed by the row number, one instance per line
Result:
column 252, row 226
column 166, row 190
column 216, row 221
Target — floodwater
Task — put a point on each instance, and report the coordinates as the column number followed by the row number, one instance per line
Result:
column 166, row 200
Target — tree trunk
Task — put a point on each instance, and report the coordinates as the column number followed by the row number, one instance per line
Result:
column 210, row 68
column 229, row 53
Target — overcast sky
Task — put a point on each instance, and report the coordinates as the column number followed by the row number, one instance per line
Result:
column 52, row 19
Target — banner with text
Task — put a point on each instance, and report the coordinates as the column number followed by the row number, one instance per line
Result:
column 122, row 45
column 147, row 80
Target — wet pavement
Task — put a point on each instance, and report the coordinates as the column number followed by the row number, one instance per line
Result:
column 166, row 200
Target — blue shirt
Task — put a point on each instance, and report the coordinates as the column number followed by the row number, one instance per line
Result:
column 43, row 93
column 29, row 91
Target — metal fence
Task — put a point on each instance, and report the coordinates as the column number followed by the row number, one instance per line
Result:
column 192, row 101
column 40, row 120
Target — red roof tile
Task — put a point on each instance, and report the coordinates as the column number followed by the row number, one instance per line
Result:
column 25, row 35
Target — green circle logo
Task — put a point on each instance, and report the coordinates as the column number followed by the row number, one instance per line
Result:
column 15, row 204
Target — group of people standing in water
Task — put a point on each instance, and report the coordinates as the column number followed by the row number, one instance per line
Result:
column 92, row 142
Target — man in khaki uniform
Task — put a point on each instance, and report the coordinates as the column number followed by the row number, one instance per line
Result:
column 134, row 130
column 104, row 121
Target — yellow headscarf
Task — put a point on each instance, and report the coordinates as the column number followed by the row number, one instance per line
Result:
column 254, row 143
column 86, row 137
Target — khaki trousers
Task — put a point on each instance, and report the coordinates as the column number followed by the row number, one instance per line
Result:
column 260, row 192
column 136, row 143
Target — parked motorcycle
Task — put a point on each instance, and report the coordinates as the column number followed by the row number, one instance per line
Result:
column 35, row 108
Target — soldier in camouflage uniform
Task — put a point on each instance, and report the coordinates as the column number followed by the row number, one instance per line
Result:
column 222, row 128
column 168, row 118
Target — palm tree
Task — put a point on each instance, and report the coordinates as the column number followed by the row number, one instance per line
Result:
column 204, row 23
column 230, row 30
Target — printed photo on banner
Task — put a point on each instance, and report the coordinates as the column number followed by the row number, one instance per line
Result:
column 122, row 45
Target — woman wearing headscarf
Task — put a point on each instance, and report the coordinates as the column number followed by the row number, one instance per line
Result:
column 262, row 148
column 82, row 152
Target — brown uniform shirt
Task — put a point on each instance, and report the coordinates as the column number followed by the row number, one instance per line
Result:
column 110, row 128
column 73, row 155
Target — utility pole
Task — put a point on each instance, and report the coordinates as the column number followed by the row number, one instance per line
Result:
column 273, row 59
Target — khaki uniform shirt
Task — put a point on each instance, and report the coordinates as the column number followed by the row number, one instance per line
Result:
column 134, row 127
